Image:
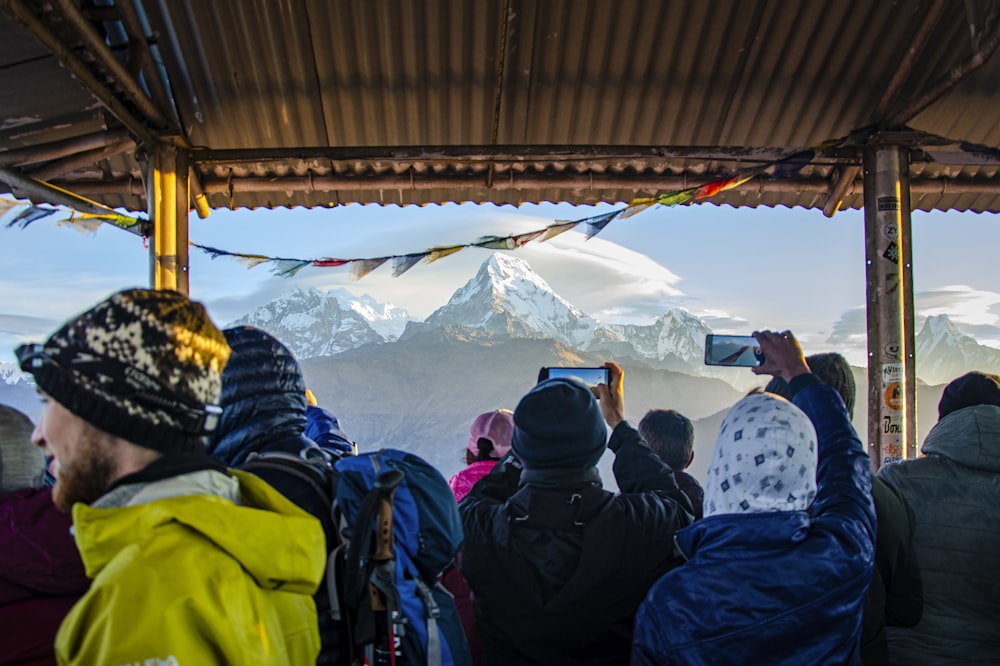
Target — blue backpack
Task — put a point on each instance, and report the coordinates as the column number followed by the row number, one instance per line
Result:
column 399, row 530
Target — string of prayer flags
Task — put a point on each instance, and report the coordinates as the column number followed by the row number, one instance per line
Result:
column 594, row 225
column 31, row 214
column 85, row 222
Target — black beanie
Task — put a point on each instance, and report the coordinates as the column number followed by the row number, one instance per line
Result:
column 559, row 424
column 144, row 365
column 969, row 390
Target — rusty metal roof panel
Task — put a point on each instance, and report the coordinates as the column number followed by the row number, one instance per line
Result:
column 248, row 75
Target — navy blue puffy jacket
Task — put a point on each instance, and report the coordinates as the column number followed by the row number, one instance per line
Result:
column 774, row 588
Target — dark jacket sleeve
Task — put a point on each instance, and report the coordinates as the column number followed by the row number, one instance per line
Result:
column 637, row 469
column 843, row 472
column 896, row 558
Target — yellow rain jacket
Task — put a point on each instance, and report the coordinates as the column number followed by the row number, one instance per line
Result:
column 196, row 579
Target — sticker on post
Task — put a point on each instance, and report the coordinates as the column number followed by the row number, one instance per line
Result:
column 891, row 283
column 892, row 252
column 892, row 372
column 893, row 395
column 887, row 203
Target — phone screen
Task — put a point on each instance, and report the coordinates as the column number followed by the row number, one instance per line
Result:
column 589, row 376
column 732, row 350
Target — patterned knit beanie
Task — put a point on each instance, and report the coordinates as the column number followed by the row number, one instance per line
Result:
column 764, row 459
column 22, row 464
column 142, row 365
column 559, row 424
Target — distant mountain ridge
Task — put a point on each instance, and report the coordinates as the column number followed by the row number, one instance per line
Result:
column 418, row 385
column 313, row 323
column 507, row 300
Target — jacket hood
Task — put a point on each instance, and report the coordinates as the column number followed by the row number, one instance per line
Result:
column 745, row 533
column 263, row 395
column 969, row 436
column 277, row 543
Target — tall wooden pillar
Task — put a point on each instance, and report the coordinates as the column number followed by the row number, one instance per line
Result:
column 888, row 256
column 168, row 209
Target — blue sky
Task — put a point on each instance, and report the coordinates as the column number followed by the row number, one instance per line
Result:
column 741, row 269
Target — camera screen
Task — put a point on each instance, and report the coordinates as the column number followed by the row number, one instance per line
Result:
column 734, row 350
column 589, row 376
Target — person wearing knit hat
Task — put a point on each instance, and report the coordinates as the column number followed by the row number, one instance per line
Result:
column 130, row 391
column 545, row 544
column 41, row 575
column 778, row 569
column 954, row 492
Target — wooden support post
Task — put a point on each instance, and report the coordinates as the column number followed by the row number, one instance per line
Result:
column 891, row 369
column 168, row 208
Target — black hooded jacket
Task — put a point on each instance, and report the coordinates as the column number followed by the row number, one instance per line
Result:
column 559, row 565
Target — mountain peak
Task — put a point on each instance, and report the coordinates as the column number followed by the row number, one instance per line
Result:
column 938, row 325
column 503, row 272
column 509, row 299
column 943, row 352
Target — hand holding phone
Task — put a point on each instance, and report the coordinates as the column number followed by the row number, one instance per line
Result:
column 589, row 376
column 733, row 350
column 784, row 355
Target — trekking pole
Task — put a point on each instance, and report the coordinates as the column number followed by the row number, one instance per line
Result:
column 388, row 641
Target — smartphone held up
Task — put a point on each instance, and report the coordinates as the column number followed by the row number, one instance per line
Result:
column 733, row 350
column 589, row 376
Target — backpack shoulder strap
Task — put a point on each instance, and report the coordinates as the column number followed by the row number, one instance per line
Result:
column 310, row 471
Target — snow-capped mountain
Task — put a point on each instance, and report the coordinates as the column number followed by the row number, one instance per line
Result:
column 11, row 375
column 677, row 335
column 944, row 353
column 506, row 299
column 313, row 323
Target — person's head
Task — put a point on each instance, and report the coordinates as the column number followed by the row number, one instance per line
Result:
column 830, row 368
column 764, row 459
column 22, row 464
column 489, row 436
column 135, row 377
column 262, row 383
column 969, row 390
column 670, row 435
column 558, row 424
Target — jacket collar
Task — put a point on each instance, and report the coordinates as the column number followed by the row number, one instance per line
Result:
column 561, row 477
column 281, row 546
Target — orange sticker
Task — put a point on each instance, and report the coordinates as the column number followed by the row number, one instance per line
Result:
column 894, row 396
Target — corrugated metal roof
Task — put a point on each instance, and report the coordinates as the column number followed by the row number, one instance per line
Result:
column 413, row 78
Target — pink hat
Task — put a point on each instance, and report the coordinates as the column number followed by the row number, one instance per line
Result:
column 496, row 426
